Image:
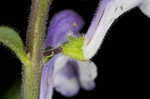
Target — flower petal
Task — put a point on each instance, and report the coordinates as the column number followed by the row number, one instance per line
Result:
column 66, row 75
column 87, row 74
column 67, row 87
column 145, row 7
column 64, row 22
column 46, row 87
column 65, row 79
column 107, row 12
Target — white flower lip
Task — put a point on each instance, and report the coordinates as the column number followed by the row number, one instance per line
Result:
column 67, row 81
column 66, row 75
column 107, row 12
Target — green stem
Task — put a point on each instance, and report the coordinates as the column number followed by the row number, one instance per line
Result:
column 35, row 38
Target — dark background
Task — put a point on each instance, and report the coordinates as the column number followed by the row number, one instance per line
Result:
column 121, row 69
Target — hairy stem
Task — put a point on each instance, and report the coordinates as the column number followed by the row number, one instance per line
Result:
column 35, row 38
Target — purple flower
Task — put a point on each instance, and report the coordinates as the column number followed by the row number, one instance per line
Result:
column 65, row 74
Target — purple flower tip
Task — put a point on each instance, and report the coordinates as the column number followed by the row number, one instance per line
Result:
column 62, row 23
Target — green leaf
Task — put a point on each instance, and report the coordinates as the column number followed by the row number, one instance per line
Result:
column 12, row 40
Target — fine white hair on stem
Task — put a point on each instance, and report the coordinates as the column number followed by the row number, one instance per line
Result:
column 145, row 7
column 107, row 12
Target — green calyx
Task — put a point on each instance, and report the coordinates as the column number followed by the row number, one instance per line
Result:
column 74, row 48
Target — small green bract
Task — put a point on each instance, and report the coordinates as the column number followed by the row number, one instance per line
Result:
column 74, row 48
